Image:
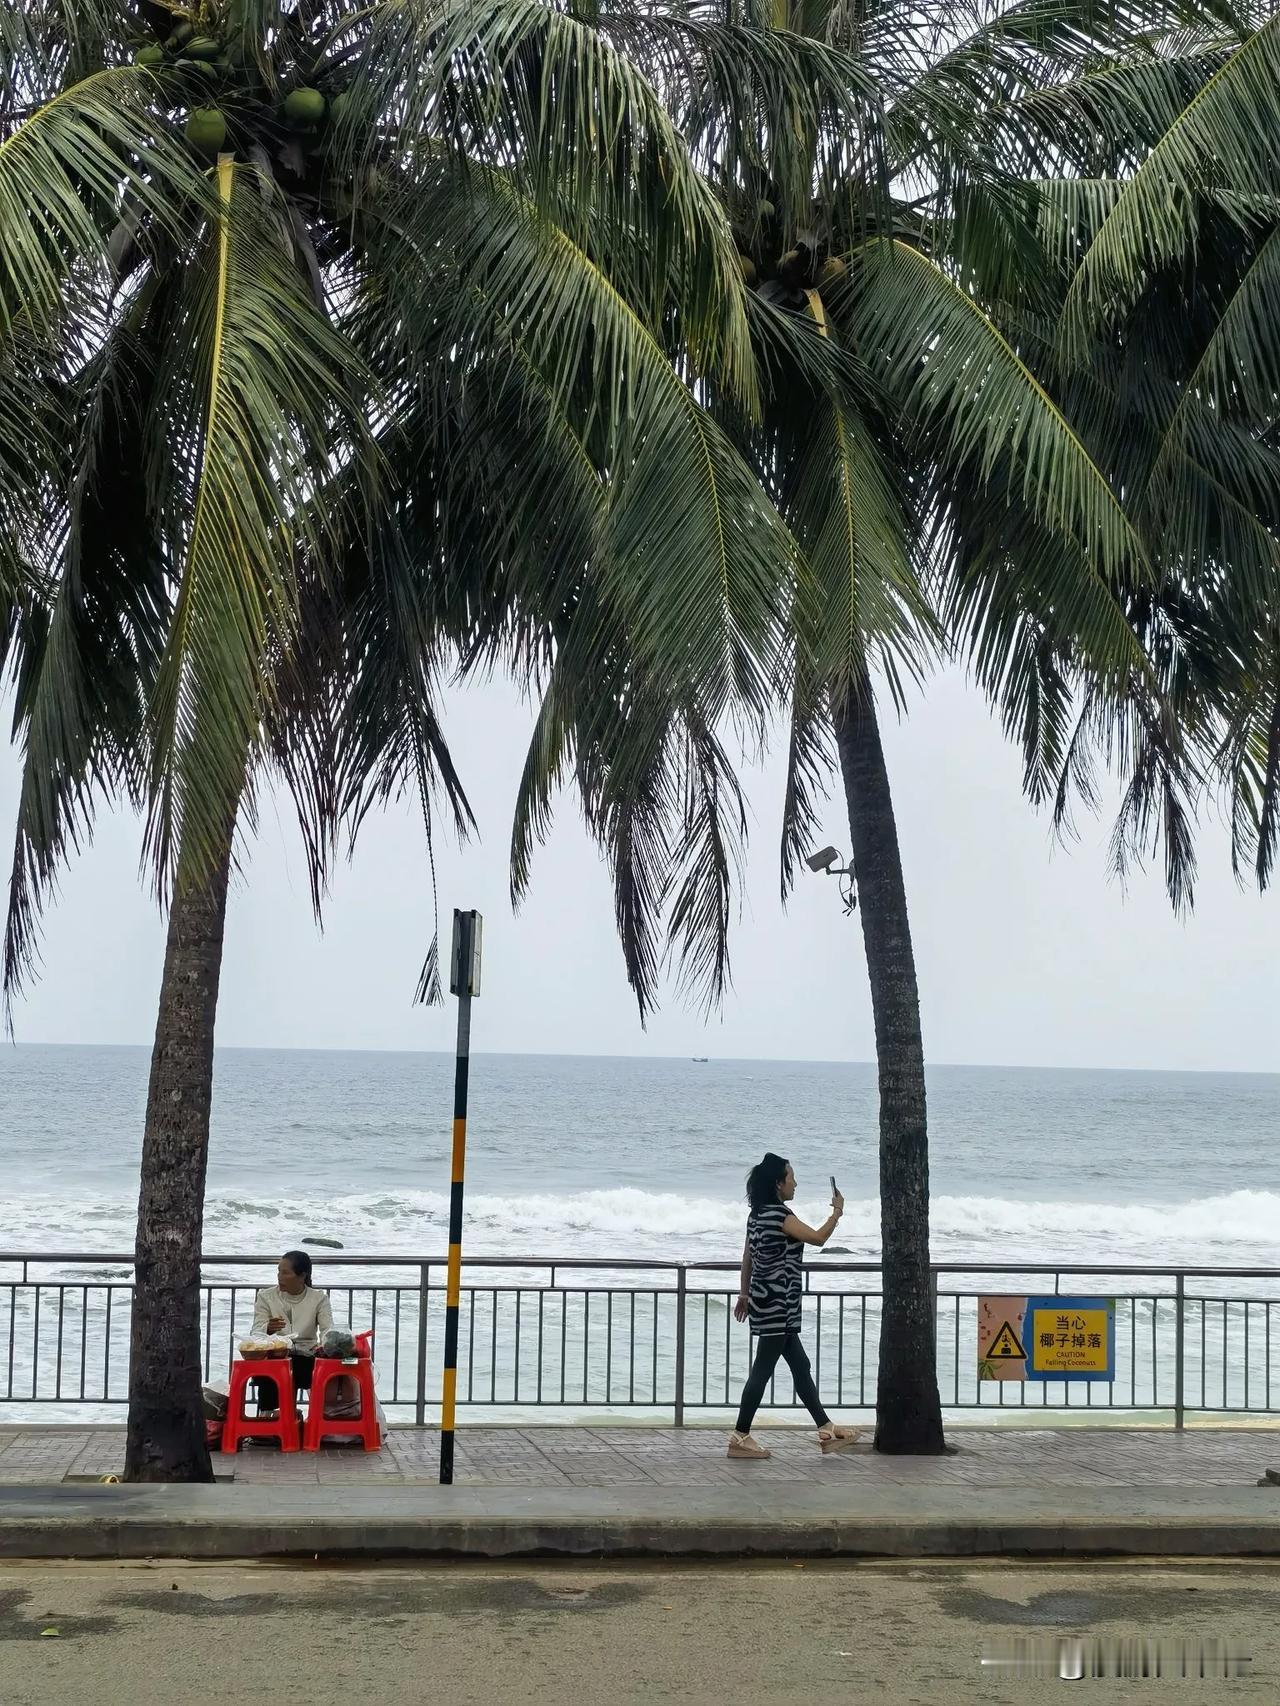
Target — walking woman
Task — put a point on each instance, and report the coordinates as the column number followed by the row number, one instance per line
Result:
column 772, row 1287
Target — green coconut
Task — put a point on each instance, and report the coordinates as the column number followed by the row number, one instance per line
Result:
column 791, row 268
column 304, row 107
column 832, row 272
column 206, row 129
column 339, row 106
column 748, row 269
column 149, row 57
column 179, row 37
column 764, row 209
column 203, row 47
column 201, row 68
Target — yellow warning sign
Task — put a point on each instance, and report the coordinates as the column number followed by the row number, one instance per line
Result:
column 1071, row 1339
column 1005, row 1345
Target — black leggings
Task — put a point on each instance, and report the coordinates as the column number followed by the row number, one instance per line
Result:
column 303, row 1368
column 769, row 1347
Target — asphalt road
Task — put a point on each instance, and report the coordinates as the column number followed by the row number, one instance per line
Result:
column 325, row 1635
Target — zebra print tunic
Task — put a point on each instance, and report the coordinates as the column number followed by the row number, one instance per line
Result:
column 776, row 1280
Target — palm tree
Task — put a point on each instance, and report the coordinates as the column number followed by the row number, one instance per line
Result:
column 330, row 340
column 884, row 171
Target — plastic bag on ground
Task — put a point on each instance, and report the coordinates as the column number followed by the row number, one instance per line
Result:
column 342, row 1398
column 342, row 1403
column 214, row 1396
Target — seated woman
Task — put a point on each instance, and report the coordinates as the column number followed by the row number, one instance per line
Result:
column 292, row 1309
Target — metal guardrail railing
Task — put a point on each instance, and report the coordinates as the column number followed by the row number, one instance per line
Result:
column 595, row 1335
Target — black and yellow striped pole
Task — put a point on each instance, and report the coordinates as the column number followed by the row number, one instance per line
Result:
column 464, row 982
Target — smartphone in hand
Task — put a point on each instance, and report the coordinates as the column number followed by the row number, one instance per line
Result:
column 834, row 1191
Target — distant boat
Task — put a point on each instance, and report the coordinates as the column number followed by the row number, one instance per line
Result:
column 699, row 1060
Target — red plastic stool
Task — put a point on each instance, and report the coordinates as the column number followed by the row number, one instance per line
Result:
column 283, row 1426
column 365, row 1425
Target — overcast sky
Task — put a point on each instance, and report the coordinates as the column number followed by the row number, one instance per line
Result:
column 1029, row 954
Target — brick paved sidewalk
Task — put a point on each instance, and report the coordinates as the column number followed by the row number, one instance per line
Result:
column 618, row 1457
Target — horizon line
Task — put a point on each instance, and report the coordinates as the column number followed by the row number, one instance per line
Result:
column 716, row 1060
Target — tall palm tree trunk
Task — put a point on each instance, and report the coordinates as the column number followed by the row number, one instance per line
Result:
column 166, row 1439
column 908, row 1412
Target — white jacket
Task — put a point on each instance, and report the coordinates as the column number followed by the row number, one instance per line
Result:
column 307, row 1317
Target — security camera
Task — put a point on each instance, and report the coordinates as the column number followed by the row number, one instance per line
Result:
column 824, row 860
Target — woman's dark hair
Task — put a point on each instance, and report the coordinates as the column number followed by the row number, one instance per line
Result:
column 763, row 1181
column 300, row 1262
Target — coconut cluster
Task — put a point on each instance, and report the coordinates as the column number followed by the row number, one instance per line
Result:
column 784, row 274
column 207, row 60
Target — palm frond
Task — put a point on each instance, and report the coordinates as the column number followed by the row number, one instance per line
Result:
column 856, row 535
column 1239, row 368
column 810, row 767
column 258, row 378
column 65, row 172
column 690, row 555
column 772, row 113
column 1153, row 819
column 543, row 96
column 93, row 646
column 711, row 838
column 1219, row 142
column 987, row 413
column 1254, row 778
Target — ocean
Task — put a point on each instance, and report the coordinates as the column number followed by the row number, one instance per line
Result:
column 579, row 1155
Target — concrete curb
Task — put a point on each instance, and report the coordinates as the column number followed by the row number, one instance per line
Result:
column 495, row 1538
column 498, row 1523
